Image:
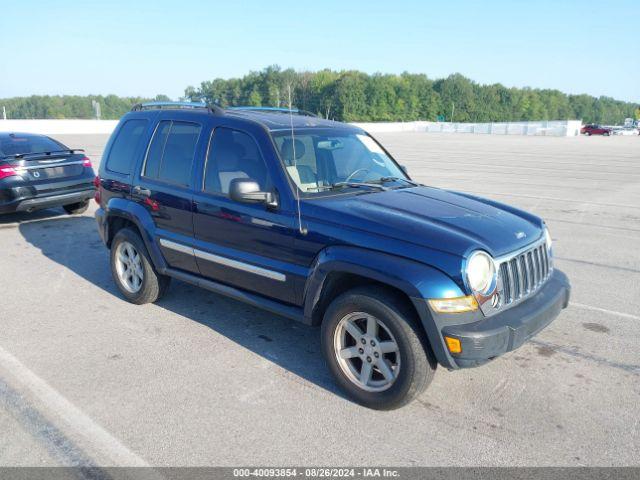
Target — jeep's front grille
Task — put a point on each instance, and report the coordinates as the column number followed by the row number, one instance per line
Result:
column 522, row 274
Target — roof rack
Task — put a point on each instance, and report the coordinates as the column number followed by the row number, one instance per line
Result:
column 297, row 111
column 176, row 105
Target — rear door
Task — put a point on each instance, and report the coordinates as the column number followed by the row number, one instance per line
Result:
column 163, row 186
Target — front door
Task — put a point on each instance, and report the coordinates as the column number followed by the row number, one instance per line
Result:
column 245, row 245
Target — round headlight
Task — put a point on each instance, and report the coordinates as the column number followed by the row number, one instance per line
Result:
column 547, row 238
column 481, row 272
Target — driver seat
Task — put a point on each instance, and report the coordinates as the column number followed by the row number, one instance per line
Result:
column 302, row 175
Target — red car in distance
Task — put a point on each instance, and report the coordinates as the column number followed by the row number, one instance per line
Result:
column 593, row 129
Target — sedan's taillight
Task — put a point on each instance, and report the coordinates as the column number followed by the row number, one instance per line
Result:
column 7, row 171
column 96, row 183
column 86, row 162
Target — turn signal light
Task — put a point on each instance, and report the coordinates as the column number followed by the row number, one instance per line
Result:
column 453, row 344
column 454, row 305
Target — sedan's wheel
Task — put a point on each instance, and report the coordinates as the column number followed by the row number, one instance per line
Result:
column 133, row 271
column 366, row 351
column 76, row 208
column 376, row 349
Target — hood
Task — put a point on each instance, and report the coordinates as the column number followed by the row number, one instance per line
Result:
column 443, row 220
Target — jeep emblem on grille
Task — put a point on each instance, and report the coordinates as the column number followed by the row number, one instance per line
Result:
column 520, row 235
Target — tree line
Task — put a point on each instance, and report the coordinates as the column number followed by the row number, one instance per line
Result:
column 356, row 96
column 351, row 95
column 111, row 107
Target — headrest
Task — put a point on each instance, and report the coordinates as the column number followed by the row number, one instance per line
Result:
column 287, row 150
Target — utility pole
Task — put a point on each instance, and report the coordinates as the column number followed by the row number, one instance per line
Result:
column 453, row 109
column 4, row 113
column 96, row 108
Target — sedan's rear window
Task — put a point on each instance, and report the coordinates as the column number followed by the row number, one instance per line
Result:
column 17, row 145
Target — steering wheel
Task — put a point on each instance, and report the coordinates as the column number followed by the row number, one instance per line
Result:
column 353, row 174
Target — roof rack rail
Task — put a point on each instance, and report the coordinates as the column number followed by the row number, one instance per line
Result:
column 215, row 109
column 297, row 111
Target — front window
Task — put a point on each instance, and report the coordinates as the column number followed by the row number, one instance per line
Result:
column 318, row 161
column 233, row 154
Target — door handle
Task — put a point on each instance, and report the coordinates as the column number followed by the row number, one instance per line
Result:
column 145, row 192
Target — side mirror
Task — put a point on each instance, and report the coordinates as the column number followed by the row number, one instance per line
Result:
column 246, row 190
column 404, row 169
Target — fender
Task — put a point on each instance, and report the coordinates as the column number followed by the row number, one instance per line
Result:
column 141, row 218
column 417, row 280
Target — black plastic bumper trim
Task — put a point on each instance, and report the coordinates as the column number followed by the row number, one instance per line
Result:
column 488, row 338
column 46, row 201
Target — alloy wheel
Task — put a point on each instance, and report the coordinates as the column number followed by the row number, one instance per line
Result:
column 367, row 352
column 129, row 267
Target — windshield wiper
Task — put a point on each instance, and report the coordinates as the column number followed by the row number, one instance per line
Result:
column 377, row 186
column 397, row 179
column 336, row 186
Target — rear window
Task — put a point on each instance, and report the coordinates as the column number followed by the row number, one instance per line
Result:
column 171, row 152
column 17, row 145
column 125, row 146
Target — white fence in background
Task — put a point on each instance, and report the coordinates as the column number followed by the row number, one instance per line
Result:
column 59, row 127
column 556, row 128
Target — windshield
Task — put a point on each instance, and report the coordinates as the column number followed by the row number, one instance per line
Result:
column 14, row 144
column 319, row 161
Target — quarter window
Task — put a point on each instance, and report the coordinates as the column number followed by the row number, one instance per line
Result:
column 171, row 152
column 125, row 145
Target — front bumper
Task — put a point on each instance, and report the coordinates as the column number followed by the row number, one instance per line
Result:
column 483, row 339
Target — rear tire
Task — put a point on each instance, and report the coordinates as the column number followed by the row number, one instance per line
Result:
column 132, row 269
column 362, row 367
column 76, row 208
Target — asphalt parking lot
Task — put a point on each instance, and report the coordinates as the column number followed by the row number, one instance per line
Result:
column 198, row 379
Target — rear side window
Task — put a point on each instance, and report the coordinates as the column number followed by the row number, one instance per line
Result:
column 125, row 146
column 171, row 152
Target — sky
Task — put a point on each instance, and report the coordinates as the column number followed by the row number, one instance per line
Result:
column 149, row 47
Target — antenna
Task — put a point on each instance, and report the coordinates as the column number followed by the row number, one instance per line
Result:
column 295, row 166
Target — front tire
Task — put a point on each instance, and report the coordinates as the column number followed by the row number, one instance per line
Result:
column 375, row 348
column 132, row 270
column 76, row 208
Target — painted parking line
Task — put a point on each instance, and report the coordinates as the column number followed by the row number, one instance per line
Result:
column 60, row 447
column 604, row 310
column 74, row 418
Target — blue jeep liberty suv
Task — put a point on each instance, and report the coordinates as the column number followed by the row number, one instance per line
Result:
column 314, row 220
